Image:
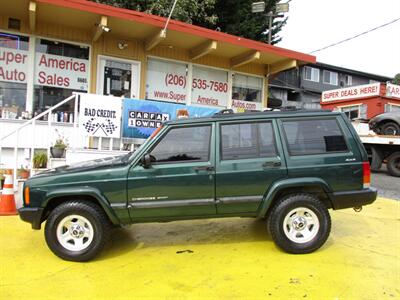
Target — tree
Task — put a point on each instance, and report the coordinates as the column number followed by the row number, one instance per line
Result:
column 230, row 16
column 235, row 17
column 198, row 12
column 396, row 79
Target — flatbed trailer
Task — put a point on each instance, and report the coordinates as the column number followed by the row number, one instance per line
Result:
column 381, row 148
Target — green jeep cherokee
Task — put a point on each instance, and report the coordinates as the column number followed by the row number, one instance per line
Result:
column 286, row 167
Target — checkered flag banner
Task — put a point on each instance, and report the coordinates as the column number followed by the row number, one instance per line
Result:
column 100, row 116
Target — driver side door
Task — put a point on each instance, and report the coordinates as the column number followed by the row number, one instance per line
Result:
column 180, row 180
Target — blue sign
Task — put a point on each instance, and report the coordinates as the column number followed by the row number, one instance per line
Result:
column 141, row 117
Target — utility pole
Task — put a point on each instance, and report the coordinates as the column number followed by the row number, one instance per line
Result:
column 270, row 16
column 257, row 7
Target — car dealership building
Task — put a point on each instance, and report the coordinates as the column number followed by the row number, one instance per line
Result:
column 52, row 48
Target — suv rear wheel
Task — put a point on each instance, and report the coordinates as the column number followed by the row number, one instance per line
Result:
column 299, row 223
column 77, row 230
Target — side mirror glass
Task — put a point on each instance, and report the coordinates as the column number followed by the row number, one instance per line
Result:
column 146, row 161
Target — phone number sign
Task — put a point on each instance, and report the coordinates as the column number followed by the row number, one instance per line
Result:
column 166, row 81
column 209, row 87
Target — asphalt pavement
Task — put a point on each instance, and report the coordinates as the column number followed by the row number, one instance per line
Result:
column 388, row 186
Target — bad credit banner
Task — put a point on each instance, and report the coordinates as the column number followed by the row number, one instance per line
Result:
column 100, row 116
column 142, row 117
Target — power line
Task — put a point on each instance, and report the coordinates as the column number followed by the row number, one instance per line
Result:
column 355, row 36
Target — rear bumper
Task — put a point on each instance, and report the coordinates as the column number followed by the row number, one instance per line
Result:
column 31, row 215
column 348, row 199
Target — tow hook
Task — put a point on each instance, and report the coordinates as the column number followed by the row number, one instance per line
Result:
column 357, row 209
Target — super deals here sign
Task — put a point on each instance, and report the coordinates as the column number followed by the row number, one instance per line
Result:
column 100, row 116
column 354, row 92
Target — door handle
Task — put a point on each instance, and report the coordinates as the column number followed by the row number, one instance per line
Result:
column 271, row 164
column 204, row 168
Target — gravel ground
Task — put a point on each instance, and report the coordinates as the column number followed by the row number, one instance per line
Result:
column 388, row 186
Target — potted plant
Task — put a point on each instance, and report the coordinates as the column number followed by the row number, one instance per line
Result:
column 58, row 150
column 40, row 160
column 23, row 173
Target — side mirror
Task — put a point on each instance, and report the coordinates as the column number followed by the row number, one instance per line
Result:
column 146, row 161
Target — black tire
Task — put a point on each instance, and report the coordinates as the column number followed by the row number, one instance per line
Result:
column 390, row 128
column 311, row 205
column 393, row 164
column 95, row 221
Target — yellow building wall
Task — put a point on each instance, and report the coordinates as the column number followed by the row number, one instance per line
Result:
column 107, row 45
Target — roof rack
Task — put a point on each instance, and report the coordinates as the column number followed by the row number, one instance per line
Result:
column 275, row 110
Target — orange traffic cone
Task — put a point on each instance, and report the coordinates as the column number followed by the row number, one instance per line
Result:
column 7, row 202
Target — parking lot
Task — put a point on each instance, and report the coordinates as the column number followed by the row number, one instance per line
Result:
column 388, row 186
column 210, row 259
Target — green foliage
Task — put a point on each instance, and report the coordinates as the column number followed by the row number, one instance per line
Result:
column 60, row 144
column 40, row 160
column 230, row 16
column 235, row 17
column 396, row 79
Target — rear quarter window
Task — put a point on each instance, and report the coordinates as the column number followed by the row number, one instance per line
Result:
column 316, row 136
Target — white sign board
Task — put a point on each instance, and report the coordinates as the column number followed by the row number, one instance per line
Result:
column 242, row 106
column 100, row 116
column 353, row 92
column 61, row 71
column 13, row 65
column 393, row 90
column 166, row 81
column 209, row 87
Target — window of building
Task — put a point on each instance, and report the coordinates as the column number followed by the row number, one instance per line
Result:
column 247, row 140
column 60, row 69
column 209, row 87
column 247, row 88
column 330, row 77
column 311, row 74
column 166, row 81
column 392, row 107
column 348, row 80
column 183, row 144
column 352, row 112
column 13, row 75
column 306, row 137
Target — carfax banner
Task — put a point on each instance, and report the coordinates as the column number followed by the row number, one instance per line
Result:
column 141, row 117
column 100, row 116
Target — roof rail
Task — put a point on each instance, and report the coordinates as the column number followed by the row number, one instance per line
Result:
column 227, row 111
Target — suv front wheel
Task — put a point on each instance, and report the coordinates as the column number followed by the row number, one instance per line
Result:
column 299, row 223
column 77, row 230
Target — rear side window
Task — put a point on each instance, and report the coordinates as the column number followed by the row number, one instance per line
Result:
column 183, row 144
column 247, row 140
column 314, row 137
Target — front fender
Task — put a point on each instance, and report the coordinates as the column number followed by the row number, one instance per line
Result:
column 289, row 183
column 83, row 191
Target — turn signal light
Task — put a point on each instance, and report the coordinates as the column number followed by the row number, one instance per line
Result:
column 366, row 175
column 27, row 198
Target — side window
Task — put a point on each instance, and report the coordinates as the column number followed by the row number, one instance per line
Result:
column 267, row 140
column 183, row 144
column 314, row 137
column 247, row 140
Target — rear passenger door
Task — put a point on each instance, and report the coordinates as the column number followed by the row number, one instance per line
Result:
column 248, row 160
column 322, row 147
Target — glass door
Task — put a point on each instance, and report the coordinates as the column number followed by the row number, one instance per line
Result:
column 118, row 77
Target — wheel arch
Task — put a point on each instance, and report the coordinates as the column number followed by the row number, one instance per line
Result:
column 315, row 186
column 57, row 197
